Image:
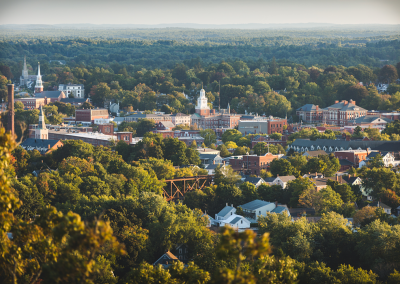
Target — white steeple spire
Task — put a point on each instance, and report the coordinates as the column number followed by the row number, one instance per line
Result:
column 39, row 83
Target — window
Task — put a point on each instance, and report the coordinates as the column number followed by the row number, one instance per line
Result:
column 241, row 222
column 259, row 212
column 180, row 251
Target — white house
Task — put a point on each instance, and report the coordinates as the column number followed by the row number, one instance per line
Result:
column 235, row 221
column 283, row 180
column 386, row 208
column 227, row 217
column 211, row 168
column 257, row 208
column 257, row 181
column 225, row 213
column 387, row 159
column 209, row 159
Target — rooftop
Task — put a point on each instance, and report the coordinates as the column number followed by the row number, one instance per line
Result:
column 255, row 204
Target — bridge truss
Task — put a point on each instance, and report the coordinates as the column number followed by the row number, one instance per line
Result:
column 176, row 188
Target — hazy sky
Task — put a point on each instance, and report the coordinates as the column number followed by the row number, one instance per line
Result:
column 200, row 11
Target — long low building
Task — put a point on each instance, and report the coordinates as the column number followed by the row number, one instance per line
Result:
column 330, row 146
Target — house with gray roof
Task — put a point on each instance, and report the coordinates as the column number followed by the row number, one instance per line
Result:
column 257, row 181
column 209, row 159
column 235, row 221
column 283, row 180
column 256, row 208
column 386, row 208
column 225, row 213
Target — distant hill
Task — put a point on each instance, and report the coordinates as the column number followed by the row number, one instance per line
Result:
column 251, row 26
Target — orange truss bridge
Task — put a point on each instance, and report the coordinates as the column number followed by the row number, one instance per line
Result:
column 176, row 188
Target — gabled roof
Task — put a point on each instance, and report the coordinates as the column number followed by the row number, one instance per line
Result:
column 342, row 106
column 253, row 180
column 270, row 179
column 286, row 178
column 235, row 220
column 316, row 153
column 212, row 166
column 225, row 210
column 374, row 154
column 39, row 144
column 372, row 118
column 307, row 107
column 73, row 100
column 279, row 209
column 380, row 204
column 350, row 180
column 255, row 204
column 208, row 156
column 48, row 94
column 167, row 124
column 344, row 162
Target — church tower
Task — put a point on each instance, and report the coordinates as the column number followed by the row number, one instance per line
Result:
column 39, row 83
column 202, row 107
column 41, row 131
column 24, row 77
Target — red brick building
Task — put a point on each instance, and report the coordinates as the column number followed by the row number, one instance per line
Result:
column 354, row 156
column 309, row 113
column 252, row 164
column 89, row 115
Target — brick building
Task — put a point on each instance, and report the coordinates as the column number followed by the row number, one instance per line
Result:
column 89, row 115
column 262, row 125
column 252, row 164
column 51, row 96
column 33, row 103
column 340, row 113
column 310, row 113
column 354, row 156
column 215, row 121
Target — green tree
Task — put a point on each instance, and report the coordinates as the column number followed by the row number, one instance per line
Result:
column 224, row 151
column 283, row 167
column 231, row 135
column 209, row 136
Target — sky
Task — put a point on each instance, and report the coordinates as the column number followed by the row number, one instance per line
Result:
column 151, row 12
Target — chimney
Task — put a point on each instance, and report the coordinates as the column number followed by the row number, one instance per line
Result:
column 48, row 146
column 341, row 179
column 277, row 176
column 316, row 174
column 231, row 205
column 213, row 162
column 336, row 102
column 276, row 204
column 226, row 204
column 10, row 124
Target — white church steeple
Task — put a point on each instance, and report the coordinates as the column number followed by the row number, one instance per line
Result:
column 41, row 131
column 202, row 107
column 39, row 83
